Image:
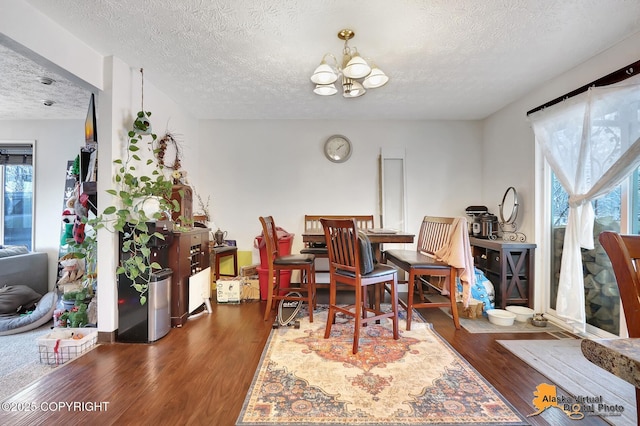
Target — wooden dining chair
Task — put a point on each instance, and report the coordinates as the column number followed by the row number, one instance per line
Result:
column 624, row 253
column 346, row 267
column 422, row 263
column 287, row 262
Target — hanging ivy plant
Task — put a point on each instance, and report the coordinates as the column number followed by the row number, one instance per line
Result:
column 133, row 191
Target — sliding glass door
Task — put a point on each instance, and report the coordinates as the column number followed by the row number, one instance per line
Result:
column 602, row 302
column 615, row 125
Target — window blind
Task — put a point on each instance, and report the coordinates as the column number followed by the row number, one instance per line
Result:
column 13, row 154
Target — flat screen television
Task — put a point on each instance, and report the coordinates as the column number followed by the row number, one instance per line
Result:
column 90, row 128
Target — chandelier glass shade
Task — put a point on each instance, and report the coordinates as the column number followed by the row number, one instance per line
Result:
column 357, row 74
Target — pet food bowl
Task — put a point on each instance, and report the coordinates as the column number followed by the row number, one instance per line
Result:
column 501, row 317
column 522, row 313
column 539, row 320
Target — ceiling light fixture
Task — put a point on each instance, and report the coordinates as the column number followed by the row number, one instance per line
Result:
column 357, row 73
column 47, row 102
column 46, row 81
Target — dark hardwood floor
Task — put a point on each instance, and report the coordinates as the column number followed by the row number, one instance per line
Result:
column 200, row 374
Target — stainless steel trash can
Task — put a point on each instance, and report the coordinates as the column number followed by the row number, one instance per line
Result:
column 149, row 322
column 159, row 302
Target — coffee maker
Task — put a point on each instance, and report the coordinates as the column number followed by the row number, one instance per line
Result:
column 475, row 214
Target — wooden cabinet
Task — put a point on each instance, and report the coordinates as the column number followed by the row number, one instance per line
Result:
column 510, row 268
column 183, row 194
column 188, row 255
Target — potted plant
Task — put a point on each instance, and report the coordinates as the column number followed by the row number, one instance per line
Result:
column 75, row 298
column 142, row 194
column 69, row 300
column 88, row 251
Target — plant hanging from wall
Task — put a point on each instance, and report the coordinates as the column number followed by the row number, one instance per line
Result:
column 143, row 195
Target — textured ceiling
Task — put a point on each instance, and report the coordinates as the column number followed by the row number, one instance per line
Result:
column 240, row 59
column 22, row 95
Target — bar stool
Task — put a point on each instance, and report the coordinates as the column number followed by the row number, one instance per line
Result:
column 305, row 291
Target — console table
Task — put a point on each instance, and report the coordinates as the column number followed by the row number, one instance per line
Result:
column 188, row 255
column 510, row 268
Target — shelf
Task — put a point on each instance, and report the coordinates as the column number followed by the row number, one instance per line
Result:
column 509, row 266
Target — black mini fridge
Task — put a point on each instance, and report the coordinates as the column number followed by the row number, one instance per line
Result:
column 149, row 322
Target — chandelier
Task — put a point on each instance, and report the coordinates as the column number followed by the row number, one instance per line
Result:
column 357, row 74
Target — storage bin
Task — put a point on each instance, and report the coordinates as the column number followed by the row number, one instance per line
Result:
column 285, row 240
column 263, row 277
column 59, row 346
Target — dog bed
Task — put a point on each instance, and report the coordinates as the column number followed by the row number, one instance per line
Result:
column 43, row 312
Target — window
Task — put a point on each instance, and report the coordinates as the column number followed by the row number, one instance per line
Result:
column 16, row 187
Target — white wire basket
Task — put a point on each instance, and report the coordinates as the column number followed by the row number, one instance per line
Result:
column 65, row 344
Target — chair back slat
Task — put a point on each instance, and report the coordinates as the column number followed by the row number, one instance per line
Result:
column 624, row 253
column 312, row 222
column 434, row 233
column 342, row 242
column 270, row 236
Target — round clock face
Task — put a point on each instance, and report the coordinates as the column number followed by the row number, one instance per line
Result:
column 337, row 149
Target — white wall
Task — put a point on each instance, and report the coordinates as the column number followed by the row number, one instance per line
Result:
column 256, row 168
column 57, row 141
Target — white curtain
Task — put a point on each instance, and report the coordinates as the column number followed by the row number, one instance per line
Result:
column 592, row 143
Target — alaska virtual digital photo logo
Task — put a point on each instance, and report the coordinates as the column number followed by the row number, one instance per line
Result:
column 575, row 407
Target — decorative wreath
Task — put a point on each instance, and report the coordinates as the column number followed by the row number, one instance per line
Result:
column 168, row 141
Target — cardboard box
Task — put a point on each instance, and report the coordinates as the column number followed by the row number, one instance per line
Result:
column 249, row 271
column 251, row 288
column 473, row 311
column 228, row 290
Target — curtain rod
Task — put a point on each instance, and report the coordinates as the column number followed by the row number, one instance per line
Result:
column 615, row 77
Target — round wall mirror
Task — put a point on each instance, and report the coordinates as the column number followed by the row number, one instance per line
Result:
column 509, row 206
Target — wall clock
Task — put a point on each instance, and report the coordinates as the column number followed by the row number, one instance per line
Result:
column 337, row 149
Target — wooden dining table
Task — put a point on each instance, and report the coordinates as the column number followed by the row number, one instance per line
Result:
column 620, row 357
column 377, row 238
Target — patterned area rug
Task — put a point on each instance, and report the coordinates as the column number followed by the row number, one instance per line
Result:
column 304, row 379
